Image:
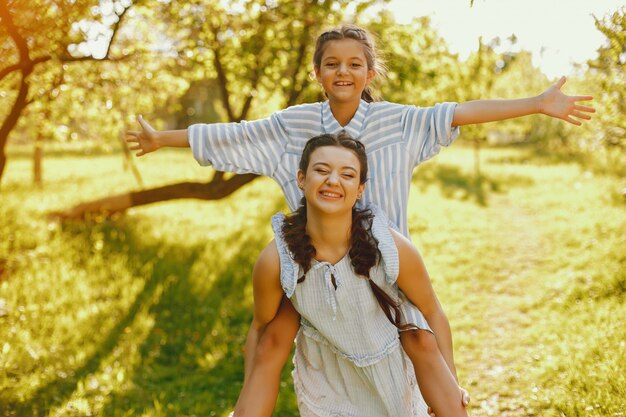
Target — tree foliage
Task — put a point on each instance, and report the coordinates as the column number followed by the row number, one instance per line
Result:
column 255, row 53
column 258, row 51
column 421, row 69
column 41, row 40
column 608, row 73
column 93, row 65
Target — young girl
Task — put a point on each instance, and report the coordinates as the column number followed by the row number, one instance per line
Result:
column 339, row 265
column 396, row 137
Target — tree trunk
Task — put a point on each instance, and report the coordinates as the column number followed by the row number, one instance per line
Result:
column 11, row 120
column 37, row 158
column 129, row 161
column 3, row 161
column 26, row 66
column 108, row 206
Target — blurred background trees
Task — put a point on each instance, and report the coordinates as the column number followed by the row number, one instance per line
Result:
column 608, row 73
column 78, row 72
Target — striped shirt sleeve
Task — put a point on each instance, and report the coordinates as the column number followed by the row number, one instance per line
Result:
column 245, row 147
column 427, row 129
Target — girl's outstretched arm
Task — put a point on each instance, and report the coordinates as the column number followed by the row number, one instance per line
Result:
column 255, row 147
column 552, row 102
column 148, row 139
column 275, row 321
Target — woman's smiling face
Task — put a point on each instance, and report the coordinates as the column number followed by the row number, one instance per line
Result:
column 331, row 183
column 343, row 71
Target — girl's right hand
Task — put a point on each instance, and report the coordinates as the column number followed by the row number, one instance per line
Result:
column 144, row 140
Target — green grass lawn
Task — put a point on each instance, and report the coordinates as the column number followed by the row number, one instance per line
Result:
column 146, row 314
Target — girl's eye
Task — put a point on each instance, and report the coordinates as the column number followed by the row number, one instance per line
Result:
column 331, row 64
column 348, row 175
column 321, row 171
column 356, row 65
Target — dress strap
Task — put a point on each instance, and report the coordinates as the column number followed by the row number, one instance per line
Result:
column 289, row 268
column 386, row 245
column 330, row 272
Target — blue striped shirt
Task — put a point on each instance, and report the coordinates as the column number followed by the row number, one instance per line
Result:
column 396, row 137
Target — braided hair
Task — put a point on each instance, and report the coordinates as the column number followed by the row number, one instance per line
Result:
column 364, row 253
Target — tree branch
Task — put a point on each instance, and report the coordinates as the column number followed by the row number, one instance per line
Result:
column 21, row 66
column 66, row 57
column 304, row 43
column 116, row 26
column 20, row 42
column 221, row 77
column 256, row 75
column 22, row 46
column 217, row 177
column 119, row 203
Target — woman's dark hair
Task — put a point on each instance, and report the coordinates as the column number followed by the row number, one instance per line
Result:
column 364, row 253
column 374, row 61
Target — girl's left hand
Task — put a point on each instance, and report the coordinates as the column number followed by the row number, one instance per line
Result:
column 556, row 104
column 465, row 400
column 465, row 397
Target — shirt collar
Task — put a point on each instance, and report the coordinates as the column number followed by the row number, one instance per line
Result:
column 331, row 125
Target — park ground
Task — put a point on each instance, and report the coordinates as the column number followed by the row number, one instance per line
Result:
column 146, row 314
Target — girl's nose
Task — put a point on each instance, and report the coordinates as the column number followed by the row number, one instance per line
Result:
column 342, row 69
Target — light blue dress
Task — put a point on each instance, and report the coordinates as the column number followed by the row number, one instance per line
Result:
column 348, row 361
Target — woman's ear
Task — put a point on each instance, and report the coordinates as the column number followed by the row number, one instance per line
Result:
column 301, row 178
column 361, row 189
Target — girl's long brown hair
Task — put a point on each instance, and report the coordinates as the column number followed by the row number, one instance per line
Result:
column 364, row 253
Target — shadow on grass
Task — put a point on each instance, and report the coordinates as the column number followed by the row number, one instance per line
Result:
column 457, row 184
column 199, row 300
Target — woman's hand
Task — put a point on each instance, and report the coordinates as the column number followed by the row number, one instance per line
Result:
column 556, row 104
column 465, row 400
column 144, row 140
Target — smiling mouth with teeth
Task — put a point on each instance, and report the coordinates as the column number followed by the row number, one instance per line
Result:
column 343, row 83
column 329, row 194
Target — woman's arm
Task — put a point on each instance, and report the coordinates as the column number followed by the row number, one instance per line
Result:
column 415, row 283
column 267, row 296
column 264, row 358
column 551, row 102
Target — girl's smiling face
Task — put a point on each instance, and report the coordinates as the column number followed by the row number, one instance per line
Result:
column 343, row 71
column 331, row 183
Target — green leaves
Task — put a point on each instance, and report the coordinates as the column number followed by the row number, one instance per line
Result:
column 608, row 72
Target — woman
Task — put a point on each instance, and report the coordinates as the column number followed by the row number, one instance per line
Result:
column 342, row 269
